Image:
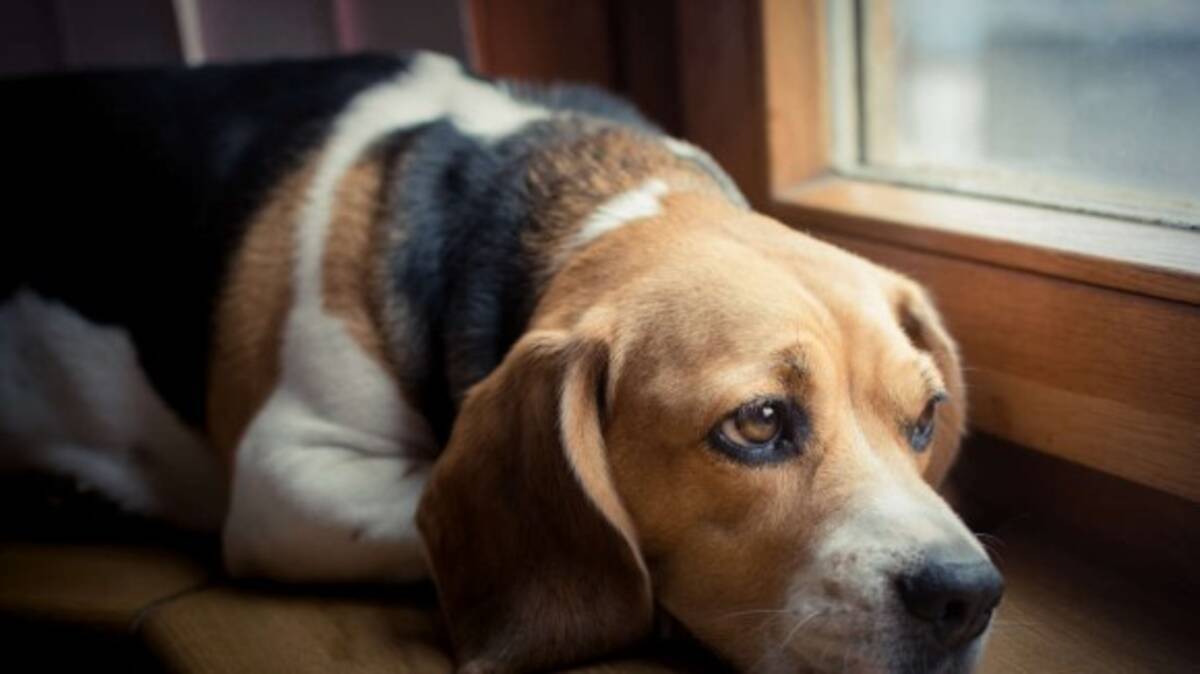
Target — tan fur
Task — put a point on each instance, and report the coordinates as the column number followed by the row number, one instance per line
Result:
column 352, row 276
column 568, row 180
column 251, row 313
column 693, row 313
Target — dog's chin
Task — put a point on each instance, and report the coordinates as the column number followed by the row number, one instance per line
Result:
column 960, row 661
column 898, row 655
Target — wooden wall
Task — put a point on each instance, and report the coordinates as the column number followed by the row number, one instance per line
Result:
column 626, row 46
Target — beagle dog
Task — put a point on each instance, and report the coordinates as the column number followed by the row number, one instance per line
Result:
column 378, row 319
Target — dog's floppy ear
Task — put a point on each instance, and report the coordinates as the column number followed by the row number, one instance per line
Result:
column 534, row 557
column 922, row 324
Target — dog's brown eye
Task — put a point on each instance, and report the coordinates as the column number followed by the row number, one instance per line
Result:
column 754, row 424
column 921, row 432
column 764, row 431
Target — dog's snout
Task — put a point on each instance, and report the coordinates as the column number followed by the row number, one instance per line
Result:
column 952, row 594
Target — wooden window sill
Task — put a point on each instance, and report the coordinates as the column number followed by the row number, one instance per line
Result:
column 1154, row 260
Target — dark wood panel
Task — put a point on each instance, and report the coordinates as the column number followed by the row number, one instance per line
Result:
column 722, row 88
column 625, row 46
column 545, row 40
column 646, row 53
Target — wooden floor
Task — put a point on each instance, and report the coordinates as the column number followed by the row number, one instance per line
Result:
column 1071, row 606
column 1069, row 611
column 1063, row 612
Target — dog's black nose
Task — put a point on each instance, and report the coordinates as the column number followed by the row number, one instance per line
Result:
column 953, row 594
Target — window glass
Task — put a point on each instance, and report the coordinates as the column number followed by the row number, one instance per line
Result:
column 1065, row 101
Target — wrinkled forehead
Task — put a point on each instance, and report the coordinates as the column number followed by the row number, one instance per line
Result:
column 747, row 298
column 745, row 282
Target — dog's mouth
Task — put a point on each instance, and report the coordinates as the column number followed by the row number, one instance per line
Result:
column 890, row 593
column 865, row 610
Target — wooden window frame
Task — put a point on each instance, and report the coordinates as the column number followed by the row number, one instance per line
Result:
column 1080, row 333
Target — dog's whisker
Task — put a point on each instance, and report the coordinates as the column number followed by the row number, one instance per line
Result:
column 786, row 641
column 799, row 624
column 986, row 537
column 766, row 618
column 994, row 545
column 754, row 611
column 1013, row 623
column 763, row 618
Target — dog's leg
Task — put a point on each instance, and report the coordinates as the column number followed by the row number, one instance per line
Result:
column 318, row 501
column 75, row 401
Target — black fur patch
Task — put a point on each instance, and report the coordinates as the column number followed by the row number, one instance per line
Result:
column 126, row 192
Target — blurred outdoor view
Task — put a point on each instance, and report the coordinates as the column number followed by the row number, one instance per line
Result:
column 1092, row 101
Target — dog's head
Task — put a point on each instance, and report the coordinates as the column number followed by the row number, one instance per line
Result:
column 722, row 418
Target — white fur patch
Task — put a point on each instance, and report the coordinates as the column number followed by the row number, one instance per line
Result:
column 683, row 149
column 75, row 401
column 489, row 112
column 640, row 202
column 325, row 487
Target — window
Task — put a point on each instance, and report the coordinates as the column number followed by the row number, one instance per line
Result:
column 1084, row 104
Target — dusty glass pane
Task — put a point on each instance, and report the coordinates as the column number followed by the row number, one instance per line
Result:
column 1087, row 100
